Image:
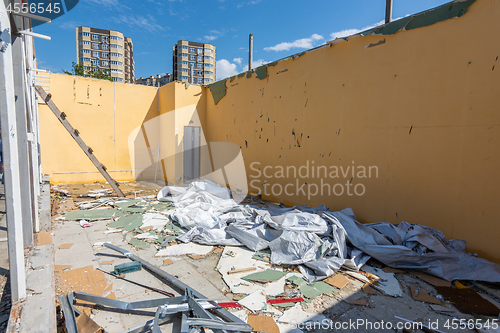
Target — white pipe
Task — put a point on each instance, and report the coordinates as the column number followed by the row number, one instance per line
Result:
column 11, row 161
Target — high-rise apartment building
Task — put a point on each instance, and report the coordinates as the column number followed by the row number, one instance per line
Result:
column 155, row 81
column 99, row 49
column 194, row 62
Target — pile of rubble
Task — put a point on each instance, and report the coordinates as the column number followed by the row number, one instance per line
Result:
column 288, row 265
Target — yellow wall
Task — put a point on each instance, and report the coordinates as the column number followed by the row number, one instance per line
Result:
column 95, row 108
column 350, row 103
column 421, row 107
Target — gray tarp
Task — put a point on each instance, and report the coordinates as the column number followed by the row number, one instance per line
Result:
column 413, row 246
column 320, row 241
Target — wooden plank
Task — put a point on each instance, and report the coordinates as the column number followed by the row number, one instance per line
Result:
column 241, row 270
column 76, row 136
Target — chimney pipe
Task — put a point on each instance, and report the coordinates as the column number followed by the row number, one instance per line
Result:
column 388, row 11
column 250, row 51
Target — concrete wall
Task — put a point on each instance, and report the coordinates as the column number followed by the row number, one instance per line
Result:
column 420, row 105
column 105, row 113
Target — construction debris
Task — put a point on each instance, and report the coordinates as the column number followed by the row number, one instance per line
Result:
column 271, row 258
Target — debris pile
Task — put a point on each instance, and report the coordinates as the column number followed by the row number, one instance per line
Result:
column 285, row 265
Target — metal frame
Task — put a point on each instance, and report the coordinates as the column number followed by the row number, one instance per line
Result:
column 222, row 313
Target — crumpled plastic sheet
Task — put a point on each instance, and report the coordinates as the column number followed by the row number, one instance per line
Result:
column 412, row 246
column 321, row 242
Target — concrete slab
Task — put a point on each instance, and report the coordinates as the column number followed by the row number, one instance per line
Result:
column 38, row 314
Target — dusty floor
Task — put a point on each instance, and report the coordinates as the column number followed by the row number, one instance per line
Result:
column 332, row 311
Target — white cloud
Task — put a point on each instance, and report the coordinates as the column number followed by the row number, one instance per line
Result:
column 225, row 69
column 255, row 63
column 214, row 34
column 70, row 25
column 349, row 32
column 304, row 43
column 209, row 38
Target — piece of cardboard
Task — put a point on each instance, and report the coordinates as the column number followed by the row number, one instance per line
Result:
column 167, row 262
column 43, row 238
column 60, row 268
column 107, row 262
column 338, row 280
column 86, row 325
column 369, row 290
column 66, row 246
column 196, row 256
column 435, row 281
column 361, row 301
column 263, row 324
column 84, row 279
column 423, row 296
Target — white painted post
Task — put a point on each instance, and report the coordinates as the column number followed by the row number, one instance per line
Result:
column 22, row 117
column 11, row 161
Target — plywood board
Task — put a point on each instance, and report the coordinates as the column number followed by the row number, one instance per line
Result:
column 66, row 246
column 338, row 280
column 263, row 324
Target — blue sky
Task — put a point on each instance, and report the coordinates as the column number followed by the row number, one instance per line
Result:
column 280, row 28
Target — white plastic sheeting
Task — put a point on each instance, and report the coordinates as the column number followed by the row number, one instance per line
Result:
column 321, row 242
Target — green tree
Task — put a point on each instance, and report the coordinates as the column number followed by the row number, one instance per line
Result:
column 79, row 70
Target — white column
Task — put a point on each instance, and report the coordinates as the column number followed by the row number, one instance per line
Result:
column 11, row 161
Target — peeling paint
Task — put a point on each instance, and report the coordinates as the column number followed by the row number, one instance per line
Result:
column 442, row 13
column 261, row 72
column 380, row 42
column 187, row 85
column 218, row 90
column 249, row 74
column 241, row 75
column 445, row 12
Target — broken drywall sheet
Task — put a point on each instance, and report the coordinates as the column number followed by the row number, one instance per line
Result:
column 128, row 223
column 387, row 283
column 286, row 328
column 185, row 248
column 278, row 287
column 255, row 301
column 235, row 258
column 296, row 315
column 269, row 275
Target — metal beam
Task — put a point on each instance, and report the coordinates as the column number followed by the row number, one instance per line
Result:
column 388, row 11
column 11, row 162
column 34, row 34
column 76, row 136
column 34, row 17
column 178, row 284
